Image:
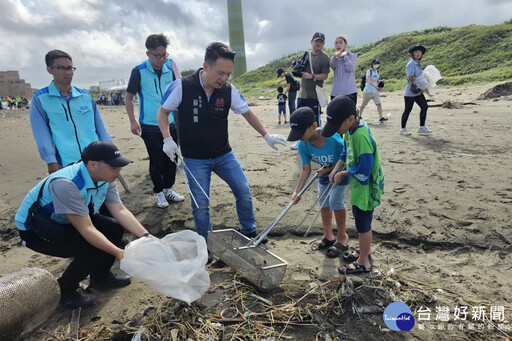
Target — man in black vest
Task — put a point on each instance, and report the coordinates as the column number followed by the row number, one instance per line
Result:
column 203, row 101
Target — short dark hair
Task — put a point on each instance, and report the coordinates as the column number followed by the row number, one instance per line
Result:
column 279, row 89
column 54, row 54
column 218, row 50
column 156, row 40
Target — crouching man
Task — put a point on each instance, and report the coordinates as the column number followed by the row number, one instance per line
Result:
column 59, row 217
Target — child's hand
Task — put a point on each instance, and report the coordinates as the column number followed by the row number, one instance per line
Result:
column 331, row 176
column 338, row 178
column 295, row 198
column 322, row 171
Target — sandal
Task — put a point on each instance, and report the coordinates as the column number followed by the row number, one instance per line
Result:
column 350, row 256
column 353, row 268
column 322, row 244
column 335, row 250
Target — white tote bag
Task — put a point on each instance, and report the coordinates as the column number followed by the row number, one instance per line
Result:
column 321, row 93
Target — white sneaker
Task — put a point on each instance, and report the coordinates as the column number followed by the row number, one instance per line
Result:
column 160, row 200
column 171, row 195
column 295, row 146
column 424, row 130
column 404, row 132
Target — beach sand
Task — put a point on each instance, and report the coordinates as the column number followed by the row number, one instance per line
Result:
column 444, row 223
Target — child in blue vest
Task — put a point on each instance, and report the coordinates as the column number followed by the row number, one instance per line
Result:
column 325, row 151
column 281, row 104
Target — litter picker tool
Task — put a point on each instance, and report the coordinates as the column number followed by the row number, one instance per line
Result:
column 329, row 189
column 256, row 264
column 186, row 183
column 194, row 178
column 257, row 240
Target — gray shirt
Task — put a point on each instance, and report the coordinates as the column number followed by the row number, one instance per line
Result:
column 412, row 69
column 67, row 198
column 344, row 81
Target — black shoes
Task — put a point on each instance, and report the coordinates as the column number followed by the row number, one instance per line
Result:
column 111, row 281
column 253, row 234
column 74, row 300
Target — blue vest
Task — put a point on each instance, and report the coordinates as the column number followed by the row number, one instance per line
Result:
column 151, row 91
column 93, row 193
column 71, row 121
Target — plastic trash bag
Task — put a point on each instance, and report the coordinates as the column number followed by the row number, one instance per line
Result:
column 428, row 79
column 173, row 265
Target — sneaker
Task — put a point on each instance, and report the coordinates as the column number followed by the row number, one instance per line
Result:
column 171, row 195
column 383, row 119
column 424, row 130
column 111, row 281
column 160, row 200
column 285, row 122
column 404, row 132
column 295, row 146
column 279, row 122
column 73, row 300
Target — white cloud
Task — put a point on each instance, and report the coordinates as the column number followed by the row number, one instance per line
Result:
column 106, row 38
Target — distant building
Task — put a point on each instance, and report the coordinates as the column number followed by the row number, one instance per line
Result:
column 12, row 85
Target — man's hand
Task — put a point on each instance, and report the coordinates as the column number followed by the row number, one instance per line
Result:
column 53, row 167
column 171, row 149
column 273, row 139
column 135, row 128
column 307, row 75
column 119, row 254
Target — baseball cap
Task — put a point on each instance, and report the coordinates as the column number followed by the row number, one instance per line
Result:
column 300, row 121
column 279, row 72
column 338, row 110
column 105, row 152
column 318, row 35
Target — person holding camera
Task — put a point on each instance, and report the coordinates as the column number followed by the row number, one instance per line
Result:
column 343, row 63
column 372, row 88
column 315, row 73
column 412, row 93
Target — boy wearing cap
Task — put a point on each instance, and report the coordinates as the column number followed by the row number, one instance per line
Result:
column 71, row 198
column 281, row 104
column 365, row 172
column 325, row 151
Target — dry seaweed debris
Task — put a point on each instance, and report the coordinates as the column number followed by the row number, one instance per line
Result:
column 252, row 317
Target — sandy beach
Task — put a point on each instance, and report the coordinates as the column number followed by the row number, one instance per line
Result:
column 444, row 225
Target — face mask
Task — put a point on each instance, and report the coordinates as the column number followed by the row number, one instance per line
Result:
column 375, row 66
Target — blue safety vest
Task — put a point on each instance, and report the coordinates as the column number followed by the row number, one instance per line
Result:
column 94, row 194
column 151, row 91
column 71, row 121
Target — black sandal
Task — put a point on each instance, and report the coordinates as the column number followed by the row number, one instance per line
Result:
column 357, row 269
column 322, row 244
column 335, row 250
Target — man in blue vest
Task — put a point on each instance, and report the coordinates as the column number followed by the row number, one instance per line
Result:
column 70, row 199
column 203, row 101
column 64, row 118
column 149, row 80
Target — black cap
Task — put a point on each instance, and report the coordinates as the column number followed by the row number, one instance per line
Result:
column 338, row 110
column 418, row 47
column 318, row 35
column 105, row 152
column 375, row 61
column 300, row 121
column 279, row 72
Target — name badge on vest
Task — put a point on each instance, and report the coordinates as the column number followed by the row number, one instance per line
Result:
column 197, row 103
column 219, row 104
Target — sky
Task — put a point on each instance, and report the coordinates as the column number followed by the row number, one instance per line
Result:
column 106, row 38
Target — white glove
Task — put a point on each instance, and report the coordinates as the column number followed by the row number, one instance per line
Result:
column 273, row 139
column 171, row 149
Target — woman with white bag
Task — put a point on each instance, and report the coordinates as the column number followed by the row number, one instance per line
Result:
column 413, row 93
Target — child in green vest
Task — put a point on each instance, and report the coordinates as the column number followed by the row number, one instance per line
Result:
column 365, row 171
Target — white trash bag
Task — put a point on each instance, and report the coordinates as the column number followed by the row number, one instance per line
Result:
column 173, row 265
column 428, row 79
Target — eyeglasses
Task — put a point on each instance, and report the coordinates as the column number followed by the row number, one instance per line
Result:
column 64, row 68
column 159, row 56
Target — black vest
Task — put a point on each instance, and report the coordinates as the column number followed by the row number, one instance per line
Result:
column 202, row 125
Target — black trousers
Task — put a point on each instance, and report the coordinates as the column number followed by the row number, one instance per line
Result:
column 87, row 259
column 409, row 102
column 161, row 169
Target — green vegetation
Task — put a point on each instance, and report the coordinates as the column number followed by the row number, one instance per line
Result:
column 464, row 55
